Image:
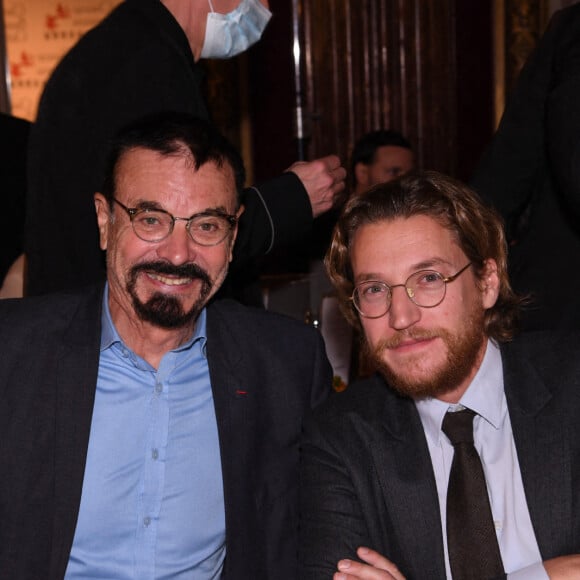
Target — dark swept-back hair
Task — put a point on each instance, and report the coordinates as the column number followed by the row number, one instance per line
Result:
column 477, row 228
column 173, row 133
column 365, row 148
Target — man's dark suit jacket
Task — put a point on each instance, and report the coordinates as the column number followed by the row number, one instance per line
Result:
column 367, row 476
column 266, row 372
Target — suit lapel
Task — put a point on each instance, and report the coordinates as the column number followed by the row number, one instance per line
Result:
column 543, row 447
column 405, row 474
column 226, row 367
column 75, row 392
column 234, row 412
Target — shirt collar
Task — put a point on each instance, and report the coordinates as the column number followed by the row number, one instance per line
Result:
column 110, row 336
column 485, row 396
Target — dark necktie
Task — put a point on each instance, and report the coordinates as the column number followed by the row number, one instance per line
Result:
column 473, row 549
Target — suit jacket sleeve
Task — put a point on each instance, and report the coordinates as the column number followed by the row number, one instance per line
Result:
column 276, row 213
column 332, row 526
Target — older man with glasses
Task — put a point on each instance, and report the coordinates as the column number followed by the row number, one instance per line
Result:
column 146, row 432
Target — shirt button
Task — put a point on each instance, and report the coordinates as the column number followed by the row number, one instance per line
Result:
column 155, row 454
column 158, row 388
column 146, row 521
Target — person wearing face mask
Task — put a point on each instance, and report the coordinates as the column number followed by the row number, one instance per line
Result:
column 228, row 35
column 143, row 59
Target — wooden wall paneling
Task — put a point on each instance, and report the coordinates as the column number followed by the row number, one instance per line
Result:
column 373, row 64
column 324, row 74
column 436, row 85
column 405, row 81
column 474, row 49
column 271, row 95
column 399, row 29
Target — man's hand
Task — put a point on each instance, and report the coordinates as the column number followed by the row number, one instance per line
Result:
column 563, row 567
column 322, row 178
column 377, row 567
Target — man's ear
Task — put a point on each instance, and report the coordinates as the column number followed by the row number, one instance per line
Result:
column 361, row 174
column 489, row 283
column 235, row 232
column 103, row 219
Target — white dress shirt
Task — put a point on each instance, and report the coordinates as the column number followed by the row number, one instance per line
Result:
column 493, row 439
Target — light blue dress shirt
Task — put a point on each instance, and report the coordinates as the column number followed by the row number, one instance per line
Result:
column 494, row 441
column 152, row 502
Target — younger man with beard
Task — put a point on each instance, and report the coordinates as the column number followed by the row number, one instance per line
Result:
column 420, row 265
column 146, row 433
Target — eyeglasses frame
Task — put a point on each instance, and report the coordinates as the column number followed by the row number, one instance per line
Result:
column 134, row 211
column 445, row 279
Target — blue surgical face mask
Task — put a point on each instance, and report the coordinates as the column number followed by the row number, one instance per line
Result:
column 227, row 35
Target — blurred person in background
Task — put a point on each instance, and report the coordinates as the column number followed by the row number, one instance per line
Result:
column 531, row 174
column 141, row 59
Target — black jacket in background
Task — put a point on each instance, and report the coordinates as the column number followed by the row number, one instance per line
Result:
column 13, row 145
column 135, row 62
column 531, row 174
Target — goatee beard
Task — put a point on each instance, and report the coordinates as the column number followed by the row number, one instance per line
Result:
column 166, row 310
column 463, row 351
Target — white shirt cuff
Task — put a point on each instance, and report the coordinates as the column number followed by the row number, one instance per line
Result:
column 533, row 572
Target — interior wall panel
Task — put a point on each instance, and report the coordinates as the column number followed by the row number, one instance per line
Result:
column 381, row 64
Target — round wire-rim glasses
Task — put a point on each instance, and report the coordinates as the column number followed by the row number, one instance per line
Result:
column 207, row 228
column 425, row 288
